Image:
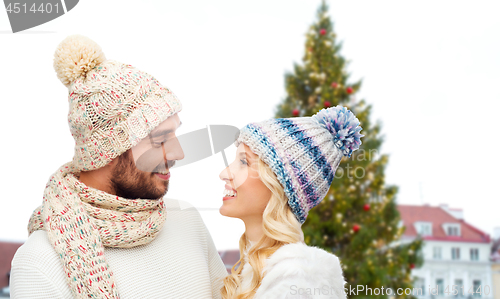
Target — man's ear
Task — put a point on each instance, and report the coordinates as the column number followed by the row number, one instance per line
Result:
column 122, row 156
column 113, row 162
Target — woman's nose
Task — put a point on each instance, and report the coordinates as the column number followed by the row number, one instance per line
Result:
column 225, row 174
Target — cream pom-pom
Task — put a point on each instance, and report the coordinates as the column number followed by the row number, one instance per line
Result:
column 75, row 56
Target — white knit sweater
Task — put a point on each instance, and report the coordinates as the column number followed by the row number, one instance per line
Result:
column 181, row 262
column 298, row 271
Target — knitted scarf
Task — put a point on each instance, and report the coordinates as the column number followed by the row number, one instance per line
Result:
column 81, row 220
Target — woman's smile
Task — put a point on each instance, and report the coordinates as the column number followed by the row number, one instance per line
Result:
column 229, row 193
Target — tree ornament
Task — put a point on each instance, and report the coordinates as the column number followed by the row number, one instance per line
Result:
column 318, row 89
column 349, row 90
column 295, row 112
column 366, row 207
column 328, row 43
column 355, row 228
column 322, row 31
column 327, row 104
column 334, row 85
column 370, row 176
column 412, row 266
column 312, row 100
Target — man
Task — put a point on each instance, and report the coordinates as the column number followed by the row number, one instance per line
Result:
column 104, row 229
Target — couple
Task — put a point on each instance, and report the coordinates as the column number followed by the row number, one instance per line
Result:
column 104, row 229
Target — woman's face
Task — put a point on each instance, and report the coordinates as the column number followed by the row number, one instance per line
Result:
column 245, row 196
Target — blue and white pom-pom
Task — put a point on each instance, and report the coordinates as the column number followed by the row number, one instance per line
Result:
column 344, row 127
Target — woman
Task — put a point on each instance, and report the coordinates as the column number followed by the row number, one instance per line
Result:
column 283, row 168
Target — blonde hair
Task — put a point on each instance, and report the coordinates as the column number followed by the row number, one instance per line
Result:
column 280, row 228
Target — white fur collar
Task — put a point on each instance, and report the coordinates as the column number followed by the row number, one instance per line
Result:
column 300, row 271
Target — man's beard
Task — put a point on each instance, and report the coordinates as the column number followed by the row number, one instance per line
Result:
column 132, row 183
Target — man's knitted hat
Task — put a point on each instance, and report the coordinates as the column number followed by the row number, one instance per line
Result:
column 304, row 152
column 112, row 106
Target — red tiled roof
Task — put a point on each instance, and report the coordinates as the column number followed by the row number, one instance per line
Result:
column 437, row 216
column 229, row 258
column 7, row 251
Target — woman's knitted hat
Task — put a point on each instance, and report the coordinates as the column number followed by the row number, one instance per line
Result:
column 304, row 152
column 112, row 106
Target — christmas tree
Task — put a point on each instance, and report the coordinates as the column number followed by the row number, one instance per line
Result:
column 358, row 220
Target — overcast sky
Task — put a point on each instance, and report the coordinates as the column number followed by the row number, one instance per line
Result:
column 430, row 69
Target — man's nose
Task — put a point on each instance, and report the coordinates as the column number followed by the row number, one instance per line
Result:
column 176, row 153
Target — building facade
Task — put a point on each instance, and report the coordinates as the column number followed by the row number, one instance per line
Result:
column 495, row 264
column 7, row 251
column 456, row 254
